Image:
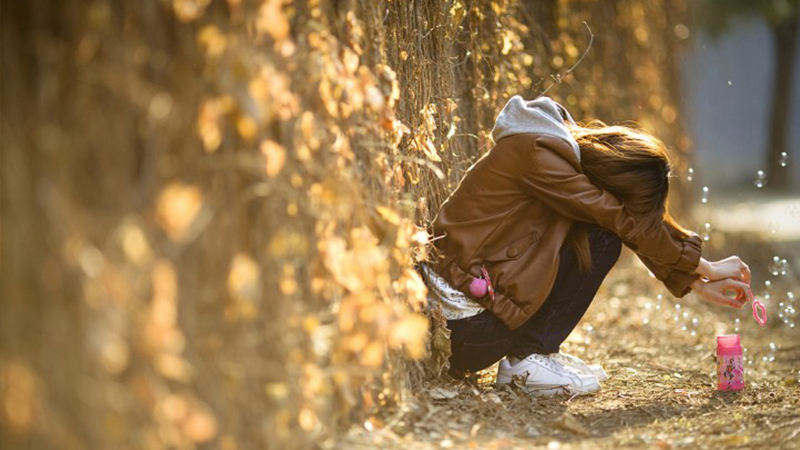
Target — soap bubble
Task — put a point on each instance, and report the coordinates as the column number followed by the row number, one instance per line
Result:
column 706, row 232
column 768, row 285
column 773, row 228
column 778, row 266
column 784, row 159
column 677, row 306
column 736, row 326
column 787, row 311
column 589, row 329
column 730, row 83
column 774, row 268
column 645, row 321
column 690, row 176
column 761, row 179
column 704, row 199
column 695, row 321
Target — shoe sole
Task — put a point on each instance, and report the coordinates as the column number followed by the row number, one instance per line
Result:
column 551, row 389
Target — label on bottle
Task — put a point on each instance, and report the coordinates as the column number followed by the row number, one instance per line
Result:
column 730, row 372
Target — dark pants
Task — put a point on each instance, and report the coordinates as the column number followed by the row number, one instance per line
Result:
column 479, row 341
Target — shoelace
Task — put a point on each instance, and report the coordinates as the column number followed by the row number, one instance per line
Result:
column 553, row 364
column 560, row 357
column 569, row 359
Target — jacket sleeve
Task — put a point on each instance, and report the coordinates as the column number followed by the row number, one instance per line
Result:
column 559, row 184
column 678, row 282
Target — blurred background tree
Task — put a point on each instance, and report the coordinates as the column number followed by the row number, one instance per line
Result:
column 783, row 19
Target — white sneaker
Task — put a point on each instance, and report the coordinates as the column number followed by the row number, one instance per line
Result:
column 578, row 364
column 546, row 376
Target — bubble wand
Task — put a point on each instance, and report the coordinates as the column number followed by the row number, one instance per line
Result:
column 759, row 307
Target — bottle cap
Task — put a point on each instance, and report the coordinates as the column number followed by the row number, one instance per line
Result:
column 729, row 343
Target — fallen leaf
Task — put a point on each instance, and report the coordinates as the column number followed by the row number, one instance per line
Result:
column 440, row 393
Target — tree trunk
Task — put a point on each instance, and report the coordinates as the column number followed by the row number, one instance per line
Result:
column 785, row 34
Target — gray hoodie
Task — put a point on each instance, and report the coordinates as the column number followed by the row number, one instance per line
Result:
column 541, row 115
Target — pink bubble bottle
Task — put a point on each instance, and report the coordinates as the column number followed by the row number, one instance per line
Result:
column 730, row 370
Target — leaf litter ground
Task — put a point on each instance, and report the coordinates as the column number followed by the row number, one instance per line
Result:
column 661, row 391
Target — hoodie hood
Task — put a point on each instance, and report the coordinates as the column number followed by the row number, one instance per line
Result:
column 541, row 115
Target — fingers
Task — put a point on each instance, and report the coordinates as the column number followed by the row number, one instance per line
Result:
column 721, row 299
column 744, row 269
column 746, row 291
column 746, row 273
column 730, row 302
column 718, row 291
column 739, row 270
column 730, row 267
column 743, row 292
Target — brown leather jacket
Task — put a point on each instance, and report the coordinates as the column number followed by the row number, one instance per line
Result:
column 511, row 213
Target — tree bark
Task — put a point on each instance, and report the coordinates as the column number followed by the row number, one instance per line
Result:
column 785, row 35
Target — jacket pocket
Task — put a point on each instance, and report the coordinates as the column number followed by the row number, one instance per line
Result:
column 513, row 250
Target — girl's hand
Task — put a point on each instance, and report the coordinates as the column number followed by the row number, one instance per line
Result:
column 730, row 267
column 721, row 291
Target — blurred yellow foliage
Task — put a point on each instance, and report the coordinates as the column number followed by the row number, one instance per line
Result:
column 177, row 207
column 19, row 388
column 213, row 40
column 275, row 155
column 244, row 279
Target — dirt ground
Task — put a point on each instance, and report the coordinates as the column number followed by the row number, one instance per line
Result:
column 659, row 354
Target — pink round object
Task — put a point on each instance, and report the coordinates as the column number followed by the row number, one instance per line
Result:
column 478, row 287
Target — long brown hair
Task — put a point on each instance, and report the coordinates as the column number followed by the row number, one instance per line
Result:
column 633, row 166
